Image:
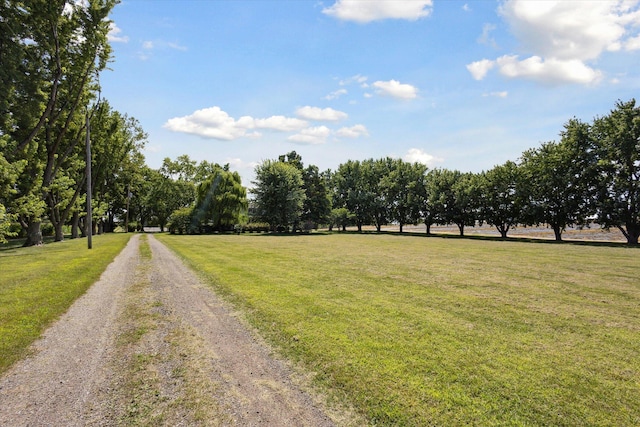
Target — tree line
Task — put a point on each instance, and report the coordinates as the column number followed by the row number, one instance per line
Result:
column 590, row 176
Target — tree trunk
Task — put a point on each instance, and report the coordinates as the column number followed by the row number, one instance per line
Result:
column 34, row 234
column 461, row 228
column 557, row 232
column 59, row 234
column 401, row 227
column 83, row 227
column 503, row 230
column 75, row 220
column 632, row 233
column 428, row 225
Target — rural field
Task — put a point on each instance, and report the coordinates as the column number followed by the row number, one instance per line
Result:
column 410, row 330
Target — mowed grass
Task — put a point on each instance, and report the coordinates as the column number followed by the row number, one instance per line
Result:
column 38, row 284
column 416, row 331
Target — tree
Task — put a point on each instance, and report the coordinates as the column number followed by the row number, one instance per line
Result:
column 556, row 180
column 402, row 186
column 279, row 194
column 9, row 173
column 351, row 192
column 61, row 46
column 463, row 211
column 117, row 161
column 500, row 194
column 221, row 200
column 317, row 205
column 340, row 217
column 164, row 195
column 617, row 137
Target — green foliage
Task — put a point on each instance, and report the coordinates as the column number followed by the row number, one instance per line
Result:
column 501, row 197
column 342, row 218
column 556, row 180
column 221, row 200
column 5, row 225
column 256, row 227
column 182, row 221
column 279, row 194
column 420, row 331
column 618, row 148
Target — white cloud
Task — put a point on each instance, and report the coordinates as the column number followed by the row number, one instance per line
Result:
column 551, row 70
column 278, row 123
column 114, row 34
column 320, row 114
column 215, row 123
column 396, row 89
column 237, row 163
column 353, row 131
column 579, row 29
column 416, row 155
column 560, row 38
column 466, row 8
column 336, row 94
column 148, row 45
column 632, row 43
column 479, row 69
column 312, row 136
column 364, row 11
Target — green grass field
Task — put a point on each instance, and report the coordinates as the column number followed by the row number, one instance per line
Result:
column 38, row 284
column 432, row 331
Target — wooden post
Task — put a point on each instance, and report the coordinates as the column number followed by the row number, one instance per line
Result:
column 89, row 212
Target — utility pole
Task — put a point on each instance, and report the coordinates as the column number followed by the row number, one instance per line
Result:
column 89, row 213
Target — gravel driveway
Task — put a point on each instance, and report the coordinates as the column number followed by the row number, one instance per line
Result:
column 149, row 344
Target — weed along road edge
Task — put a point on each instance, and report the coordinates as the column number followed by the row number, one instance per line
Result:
column 149, row 344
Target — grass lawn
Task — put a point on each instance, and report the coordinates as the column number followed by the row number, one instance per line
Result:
column 443, row 331
column 38, row 284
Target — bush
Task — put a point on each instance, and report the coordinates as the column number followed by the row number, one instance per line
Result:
column 47, row 229
column 257, row 227
column 307, row 226
column 181, row 222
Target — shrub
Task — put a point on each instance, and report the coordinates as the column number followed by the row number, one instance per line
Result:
column 180, row 221
column 257, row 227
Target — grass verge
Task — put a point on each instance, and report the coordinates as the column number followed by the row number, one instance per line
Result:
column 428, row 331
column 38, row 284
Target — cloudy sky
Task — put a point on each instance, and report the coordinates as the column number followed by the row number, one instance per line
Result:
column 455, row 84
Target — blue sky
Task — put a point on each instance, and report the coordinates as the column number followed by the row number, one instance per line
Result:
column 455, row 84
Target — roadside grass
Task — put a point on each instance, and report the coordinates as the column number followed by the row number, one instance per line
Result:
column 38, row 284
column 416, row 331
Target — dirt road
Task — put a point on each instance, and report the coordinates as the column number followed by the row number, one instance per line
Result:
column 149, row 344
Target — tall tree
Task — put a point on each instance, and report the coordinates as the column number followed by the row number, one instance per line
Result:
column 351, row 193
column 279, row 194
column 501, row 199
column 221, row 200
column 556, row 180
column 317, row 205
column 617, row 136
column 402, row 186
column 64, row 45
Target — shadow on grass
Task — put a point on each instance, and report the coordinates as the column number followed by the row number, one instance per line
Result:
column 535, row 240
column 507, row 239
